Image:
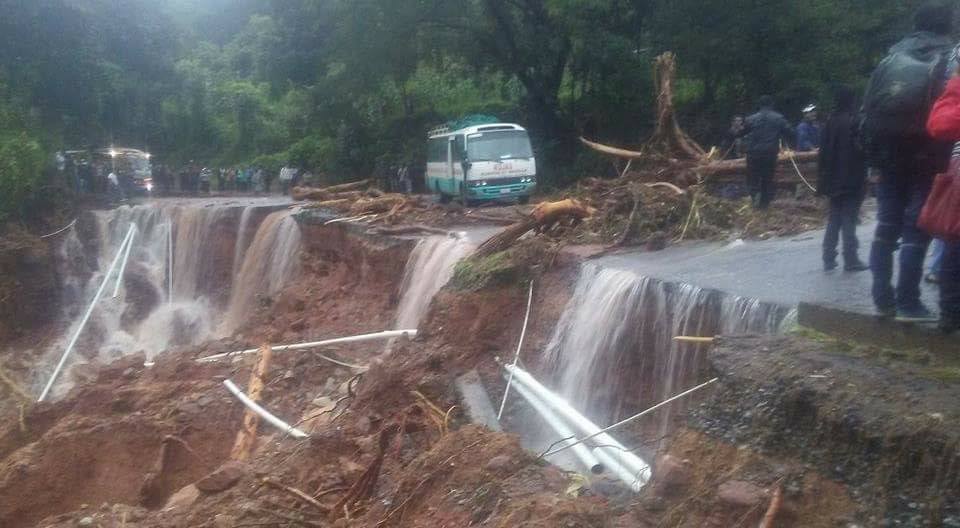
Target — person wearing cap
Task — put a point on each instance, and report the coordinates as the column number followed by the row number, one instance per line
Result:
column 808, row 131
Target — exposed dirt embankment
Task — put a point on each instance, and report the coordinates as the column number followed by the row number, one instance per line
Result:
column 349, row 285
column 888, row 436
column 29, row 292
column 839, row 442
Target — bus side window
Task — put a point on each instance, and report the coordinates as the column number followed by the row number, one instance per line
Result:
column 437, row 151
column 458, row 149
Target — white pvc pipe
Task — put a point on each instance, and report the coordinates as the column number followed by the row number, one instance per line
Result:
column 253, row 406
column 632, row 463
column 86, row 316
column 315, row 344
column 516, row 357
column 123, row 263
column 639, row 415
column 562, row 430
column 621, row 472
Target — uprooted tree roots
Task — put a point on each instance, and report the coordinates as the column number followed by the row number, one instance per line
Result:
column 543, row 217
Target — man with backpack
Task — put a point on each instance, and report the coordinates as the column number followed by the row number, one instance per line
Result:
column 764, row 130
column 898, row 99
column 842, row 176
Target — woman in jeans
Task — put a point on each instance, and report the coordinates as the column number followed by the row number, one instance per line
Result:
column 944, row 124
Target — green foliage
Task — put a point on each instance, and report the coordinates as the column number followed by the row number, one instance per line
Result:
column 21, row 160
column 479, row 273
column 350, row 87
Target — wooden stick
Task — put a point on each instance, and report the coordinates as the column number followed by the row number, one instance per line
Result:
column 775, row 502
column 247, row 437
column 296, row 493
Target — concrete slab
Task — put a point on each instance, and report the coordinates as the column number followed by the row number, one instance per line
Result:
column 784, row 271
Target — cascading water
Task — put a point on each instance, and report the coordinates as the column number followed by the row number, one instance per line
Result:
column 270, row 262
column 613, row 351
column 206, row 239
column 428, row 269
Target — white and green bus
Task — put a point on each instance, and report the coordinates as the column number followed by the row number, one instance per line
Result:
column 481, row 163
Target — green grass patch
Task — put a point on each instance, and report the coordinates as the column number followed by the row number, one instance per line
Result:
column 474, row 274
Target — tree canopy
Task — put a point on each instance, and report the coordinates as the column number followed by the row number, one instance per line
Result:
column 349, row 86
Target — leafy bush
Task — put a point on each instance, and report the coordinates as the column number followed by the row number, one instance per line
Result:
column 21, row 168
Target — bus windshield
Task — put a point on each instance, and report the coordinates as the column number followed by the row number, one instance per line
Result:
column 499, row 145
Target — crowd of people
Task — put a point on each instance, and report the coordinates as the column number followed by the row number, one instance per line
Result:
column 903, row 132
column 194, row 179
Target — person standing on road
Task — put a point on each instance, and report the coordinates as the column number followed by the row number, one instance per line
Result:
column 403, row 179
column 842, row 177
column 808, row 131
column 895, row 110
column 764, row 131
column 286, row 178
column 114, row 191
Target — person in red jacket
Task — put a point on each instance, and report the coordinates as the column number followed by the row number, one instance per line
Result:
column 944, row 124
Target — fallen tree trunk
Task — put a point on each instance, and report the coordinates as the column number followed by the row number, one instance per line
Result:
column 322, row 193
column 739, row 166
column 409, row 230
column 383, row 204
column 613, row 151
column 247, row 437
column 543, row 216
column 328, row 203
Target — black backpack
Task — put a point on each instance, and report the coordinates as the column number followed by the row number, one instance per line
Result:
column 902, row 91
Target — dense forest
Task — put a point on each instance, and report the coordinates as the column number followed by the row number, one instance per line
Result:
column 345, row 87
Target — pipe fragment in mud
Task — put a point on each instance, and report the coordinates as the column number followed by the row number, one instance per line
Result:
column 86, row 316
column 316, row 344
column 636, row 467
column 562, row 430
column 253, row 406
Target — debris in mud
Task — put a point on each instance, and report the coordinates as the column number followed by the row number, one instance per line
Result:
column 633, row 211
column 361, row 202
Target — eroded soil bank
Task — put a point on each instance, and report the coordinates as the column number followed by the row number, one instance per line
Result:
column 846, row 440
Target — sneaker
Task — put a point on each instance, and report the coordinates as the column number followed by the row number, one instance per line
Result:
column 855, row 266
column 918, row 314
column 932, row 278
column 829, row 265
column 886, row 312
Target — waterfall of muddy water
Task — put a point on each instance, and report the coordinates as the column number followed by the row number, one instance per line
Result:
column 270, row 262
column 205, row 240
column 243, row 240
column 612, row 352
column 428, row 269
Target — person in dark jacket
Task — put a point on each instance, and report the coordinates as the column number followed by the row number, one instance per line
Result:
column 842, row 176
column 907, row 165
column 764, row 130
